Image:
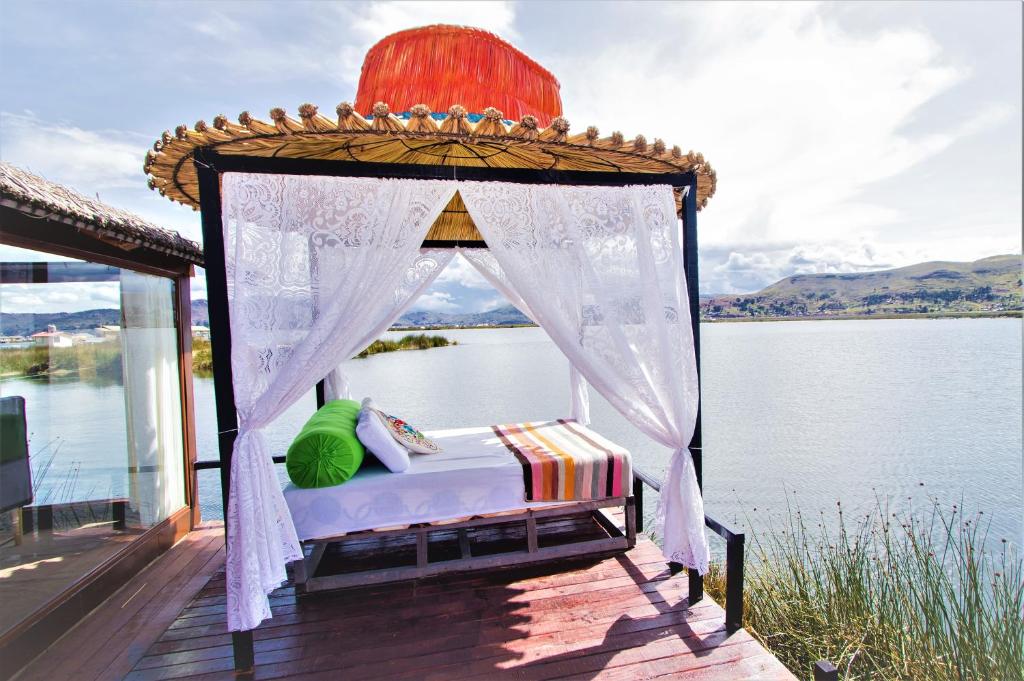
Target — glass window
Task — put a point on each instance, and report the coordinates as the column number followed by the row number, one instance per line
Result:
column 89, row 365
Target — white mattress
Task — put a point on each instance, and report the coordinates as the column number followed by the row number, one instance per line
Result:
column 473, row 475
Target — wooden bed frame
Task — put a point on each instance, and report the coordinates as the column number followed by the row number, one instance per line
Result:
column 618, row 540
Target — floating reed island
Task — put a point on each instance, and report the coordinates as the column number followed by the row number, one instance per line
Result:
column 202, row 353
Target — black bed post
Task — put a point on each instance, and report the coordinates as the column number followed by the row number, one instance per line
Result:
column 220, row 341
column 696, row 585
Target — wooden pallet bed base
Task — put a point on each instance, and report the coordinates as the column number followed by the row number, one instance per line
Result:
column 616, row 541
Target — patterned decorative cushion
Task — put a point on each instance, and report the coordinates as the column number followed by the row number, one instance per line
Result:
column 405, row 434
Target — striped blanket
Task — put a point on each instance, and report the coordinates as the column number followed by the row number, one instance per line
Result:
column 564, row 461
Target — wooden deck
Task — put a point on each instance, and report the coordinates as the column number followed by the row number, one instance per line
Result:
column 618, row 618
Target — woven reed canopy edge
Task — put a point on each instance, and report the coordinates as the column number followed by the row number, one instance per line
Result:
column 417, row 137
column 38, row 197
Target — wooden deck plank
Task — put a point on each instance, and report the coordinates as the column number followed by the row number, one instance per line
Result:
column 536, row 576
column 608, row 610
column 145, row 636
column 307, row 609
column 111, row 639
column 422, row 614
column 419, row 645
column 618, row 618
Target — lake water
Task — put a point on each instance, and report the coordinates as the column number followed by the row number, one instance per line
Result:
column 805, row 413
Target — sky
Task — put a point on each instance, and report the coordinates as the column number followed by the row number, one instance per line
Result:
column 846, row 136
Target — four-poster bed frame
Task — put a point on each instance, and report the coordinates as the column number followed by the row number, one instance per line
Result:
column 210, row 165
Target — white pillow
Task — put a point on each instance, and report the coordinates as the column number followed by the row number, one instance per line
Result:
column 374, row 435
column 405, row 435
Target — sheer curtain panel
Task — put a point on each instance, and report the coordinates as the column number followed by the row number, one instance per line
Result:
column 601, row 270
column 152, row 395
column 430, row 263
column 486, row 264
column 315, row 265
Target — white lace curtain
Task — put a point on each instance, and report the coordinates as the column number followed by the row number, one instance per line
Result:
column 488, row 267
column 315, row 266
column 418, row 278
column 601, row 270
column 318, row 266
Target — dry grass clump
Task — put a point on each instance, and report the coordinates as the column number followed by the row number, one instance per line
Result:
column 894, row 596
column 413, row 341
column 88, row 360
column 202, row 354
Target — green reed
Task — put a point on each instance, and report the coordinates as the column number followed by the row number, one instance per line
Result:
column 888, row 596
column 202, row 352
column 202, row 356
column 413, row 341
column 88, row 360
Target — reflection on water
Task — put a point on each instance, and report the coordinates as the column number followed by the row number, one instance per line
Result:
column 821, row 411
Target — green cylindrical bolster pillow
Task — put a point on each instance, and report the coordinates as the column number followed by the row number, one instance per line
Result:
column 326, row 451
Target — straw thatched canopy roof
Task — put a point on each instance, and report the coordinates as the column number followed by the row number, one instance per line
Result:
column 39, row 198
column 450, row 67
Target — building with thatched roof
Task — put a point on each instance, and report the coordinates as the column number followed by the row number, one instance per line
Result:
column 66, row 557
column 37, row 212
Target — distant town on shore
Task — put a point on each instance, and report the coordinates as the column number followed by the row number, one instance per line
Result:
column 987, row 287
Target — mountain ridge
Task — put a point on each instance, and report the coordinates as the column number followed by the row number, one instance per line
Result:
column 506, row 315
column 989, row 285
column 27, row 323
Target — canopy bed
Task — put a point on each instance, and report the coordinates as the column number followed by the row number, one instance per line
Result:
column 319, row 234
column 471, row 484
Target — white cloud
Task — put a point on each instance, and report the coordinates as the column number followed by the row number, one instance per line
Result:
column 383, row 18
column 749, row 268
column 800, row 116
column 218, row 25
column 375, row 20
column 15, row 254
column 744, row 272
column 832, row 130
column 460, row 271
column 98, row 163
column 436, row 301
column 493, row 302
column 334, row 43
column 43, row 298
column 65, row 153
column 197, row 285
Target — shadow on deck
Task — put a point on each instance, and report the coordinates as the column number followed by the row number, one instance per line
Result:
column 622, row 617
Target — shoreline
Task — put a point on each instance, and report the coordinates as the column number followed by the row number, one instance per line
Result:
column 1007, row 314
column 1003, row 314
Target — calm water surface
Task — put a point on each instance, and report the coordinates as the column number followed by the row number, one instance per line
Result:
column 806, row 413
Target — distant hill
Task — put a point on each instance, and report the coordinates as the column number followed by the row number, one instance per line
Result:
column 990, row 285
column 507, row 315
column 28, row 323
column 987, row 286
column 200, row 313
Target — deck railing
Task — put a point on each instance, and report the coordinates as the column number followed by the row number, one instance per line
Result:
column 215, row 463
column 734, row 549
